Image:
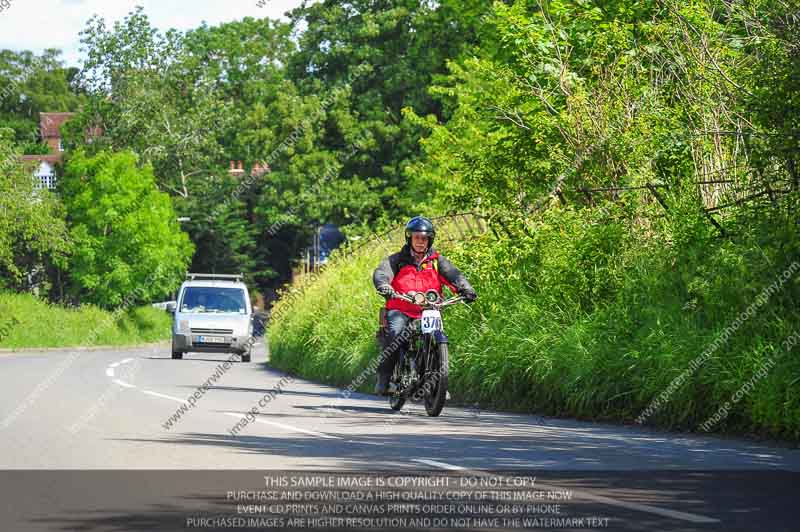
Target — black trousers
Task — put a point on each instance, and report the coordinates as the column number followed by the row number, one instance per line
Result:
column 399, row 331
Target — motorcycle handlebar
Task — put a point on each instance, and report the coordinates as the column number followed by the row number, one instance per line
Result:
column 404, row 297
column 446, row 302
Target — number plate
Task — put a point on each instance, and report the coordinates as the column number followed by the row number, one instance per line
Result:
column 210, row 339
column 431, row 321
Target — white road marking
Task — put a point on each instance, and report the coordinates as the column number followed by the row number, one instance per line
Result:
column 441, row 465
column 287, row 427
column 123, row 383
column 110, row 368
column 163, row 396
column 364, row 442
column 693, row 518
column 239, row 416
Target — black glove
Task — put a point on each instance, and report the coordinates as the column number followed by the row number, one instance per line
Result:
column 468, row 294
column 386, row 290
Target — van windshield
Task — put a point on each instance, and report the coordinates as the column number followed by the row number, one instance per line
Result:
column 213, row 299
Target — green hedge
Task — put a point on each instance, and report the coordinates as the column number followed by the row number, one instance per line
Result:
column 26, row 321
column 591, row 315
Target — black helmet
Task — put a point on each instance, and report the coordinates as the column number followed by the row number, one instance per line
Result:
column 420, row 224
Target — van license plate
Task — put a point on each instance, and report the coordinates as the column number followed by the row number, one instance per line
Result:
column 211, row 339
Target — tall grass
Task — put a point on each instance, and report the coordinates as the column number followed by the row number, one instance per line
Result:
column 589, row 315
column 26, row 321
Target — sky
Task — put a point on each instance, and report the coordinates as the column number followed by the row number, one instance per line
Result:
column 39, row 24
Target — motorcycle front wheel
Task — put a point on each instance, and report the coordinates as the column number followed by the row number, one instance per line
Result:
column 436, row 387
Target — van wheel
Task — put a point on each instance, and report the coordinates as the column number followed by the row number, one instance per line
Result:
column 176, row 355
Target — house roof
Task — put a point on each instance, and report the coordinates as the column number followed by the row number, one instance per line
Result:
column 50, row 123
column 29, row 160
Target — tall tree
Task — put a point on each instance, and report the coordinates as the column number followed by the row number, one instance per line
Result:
column 126, row 234
column 145, row 98
column 31, row 84
column 406, row 45
column 33, row 233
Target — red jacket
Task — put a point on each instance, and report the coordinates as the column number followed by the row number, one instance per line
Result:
column 404, row 275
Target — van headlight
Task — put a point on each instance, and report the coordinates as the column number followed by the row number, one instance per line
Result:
column 183, row 326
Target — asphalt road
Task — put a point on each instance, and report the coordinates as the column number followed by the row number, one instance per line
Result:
column 65, row 412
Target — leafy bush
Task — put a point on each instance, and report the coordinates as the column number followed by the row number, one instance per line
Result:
column 642, row 178
column 126, row 234
column 33, row 232
column 582, row 318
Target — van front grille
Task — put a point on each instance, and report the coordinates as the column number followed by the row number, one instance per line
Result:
column 212, row 331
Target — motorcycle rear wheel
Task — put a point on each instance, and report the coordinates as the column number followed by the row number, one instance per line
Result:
column 397, row 398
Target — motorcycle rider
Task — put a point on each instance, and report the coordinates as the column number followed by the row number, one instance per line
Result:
column 416, row 267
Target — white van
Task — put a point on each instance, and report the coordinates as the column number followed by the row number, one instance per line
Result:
column 213, row 315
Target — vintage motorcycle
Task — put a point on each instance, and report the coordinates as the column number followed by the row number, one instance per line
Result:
column 422, row 371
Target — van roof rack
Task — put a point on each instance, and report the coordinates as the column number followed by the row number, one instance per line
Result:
column 214, row 276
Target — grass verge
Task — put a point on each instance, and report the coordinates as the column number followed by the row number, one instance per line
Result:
column 29, row 322
column 594, row 316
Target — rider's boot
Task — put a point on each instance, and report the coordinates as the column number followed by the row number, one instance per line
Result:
column 382, row 385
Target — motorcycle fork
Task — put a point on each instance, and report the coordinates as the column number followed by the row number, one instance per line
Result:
column 427, row 352
column 416, row 354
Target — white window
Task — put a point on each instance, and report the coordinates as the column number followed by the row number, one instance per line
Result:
column 46, row 177
column 60, row 145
